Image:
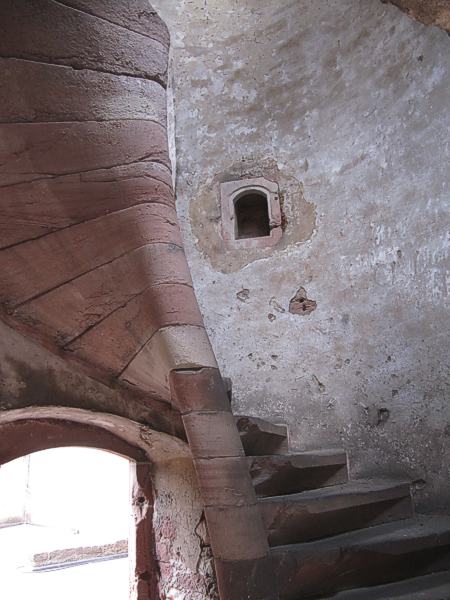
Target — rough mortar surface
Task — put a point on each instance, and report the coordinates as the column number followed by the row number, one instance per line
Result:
column 345, row 104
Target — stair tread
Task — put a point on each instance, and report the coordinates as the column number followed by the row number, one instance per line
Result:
column 423, row 529
column 428, row 587
column 247, row 422
column 310, row 457
column 369, row 487
column 259, row 436
column 280, row 474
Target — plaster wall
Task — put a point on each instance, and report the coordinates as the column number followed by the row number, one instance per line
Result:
column 344, row 104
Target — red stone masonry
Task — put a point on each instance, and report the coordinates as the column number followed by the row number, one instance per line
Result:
column 91, row 259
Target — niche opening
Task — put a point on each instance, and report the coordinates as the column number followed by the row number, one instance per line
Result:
column 252, row 215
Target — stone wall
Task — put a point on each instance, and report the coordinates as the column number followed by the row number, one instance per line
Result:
column 345, row 105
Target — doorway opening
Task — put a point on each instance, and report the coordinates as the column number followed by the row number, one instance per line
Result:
column 65, row 518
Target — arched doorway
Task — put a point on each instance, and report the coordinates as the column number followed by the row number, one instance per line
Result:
column 65, row 524
column 25, row 436
column 170, row 549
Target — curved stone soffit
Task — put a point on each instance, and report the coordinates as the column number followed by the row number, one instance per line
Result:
column 91, row 257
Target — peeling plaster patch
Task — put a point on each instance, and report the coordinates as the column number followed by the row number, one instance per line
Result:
column 276, row 305
column 298, row 215
column 300, row 304
column 243, row 295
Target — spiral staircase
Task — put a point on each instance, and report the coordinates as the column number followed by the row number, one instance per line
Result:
column 92, row 268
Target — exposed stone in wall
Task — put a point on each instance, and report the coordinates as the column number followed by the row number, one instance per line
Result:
column 300, row 304
column 428, row 12
column 187, row 570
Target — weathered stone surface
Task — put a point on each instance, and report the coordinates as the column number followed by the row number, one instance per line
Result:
column 80, row 40
column 236, row 529
column 37, row 435
column 225, row 481
column 67, row 254
column 181, row 347
column 36, row 92
column 393, row 551
column 247, row 579
column 67, row 311
column 70, row 199
column 352, row 122
column 260, row 437
column 428, row 12
column 290, row 473
column 142, row 546
column 329, row 511
column 244, row 540
column 427, row 587
column 300, row 304
column 114, row 341
column 200, row 389
column 29, row 152
column 212, row 434
column 33, row 375
column 135, row 16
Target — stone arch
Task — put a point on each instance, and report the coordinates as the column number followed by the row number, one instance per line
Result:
column 31, row 429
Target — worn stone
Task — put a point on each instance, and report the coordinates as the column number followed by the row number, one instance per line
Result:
column 66, row 312
column 42, row 92
column 307, row 516
column 80, row 41
column 393, row 550
column 260, row 437
column 290, row 473
column 137, row 16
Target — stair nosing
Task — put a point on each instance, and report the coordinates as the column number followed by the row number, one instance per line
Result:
column 436, row 580
column 363, row 536
column 403, row 488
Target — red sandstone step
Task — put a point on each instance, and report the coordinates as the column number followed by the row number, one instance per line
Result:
column 427, row 587
column 368, row 557
column 290, row 473
column 333, row 510
column 261, row 437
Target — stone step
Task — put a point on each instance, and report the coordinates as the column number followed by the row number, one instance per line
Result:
column 367, row 557
column 260, row 437
column 427, row 587
column 333, row 510
column 291, row 473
